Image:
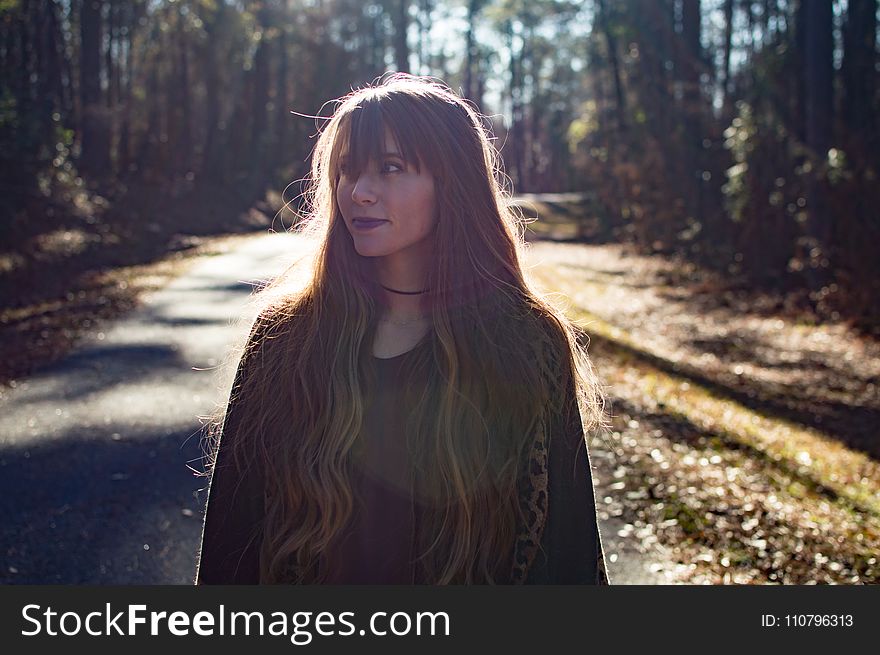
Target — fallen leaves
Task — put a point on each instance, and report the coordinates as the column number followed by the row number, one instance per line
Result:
column 737, row 436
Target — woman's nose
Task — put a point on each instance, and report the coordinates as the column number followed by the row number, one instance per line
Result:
column 364, row 190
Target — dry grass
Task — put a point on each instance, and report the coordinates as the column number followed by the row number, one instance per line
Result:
column 703, row 462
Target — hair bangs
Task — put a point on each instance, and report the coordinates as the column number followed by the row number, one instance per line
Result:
column 362, row 130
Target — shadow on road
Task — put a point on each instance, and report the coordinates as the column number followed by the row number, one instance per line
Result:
column 111, row 507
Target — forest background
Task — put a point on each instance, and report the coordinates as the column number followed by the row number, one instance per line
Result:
column 704, row 173
column 741, row 134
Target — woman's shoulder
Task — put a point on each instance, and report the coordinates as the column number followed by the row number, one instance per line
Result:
column 554, row 337
column 273, row 329
column 279, row 318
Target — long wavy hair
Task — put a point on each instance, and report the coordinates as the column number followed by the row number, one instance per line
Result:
column 499, row 358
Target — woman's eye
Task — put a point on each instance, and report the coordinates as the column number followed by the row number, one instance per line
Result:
column 392, row 167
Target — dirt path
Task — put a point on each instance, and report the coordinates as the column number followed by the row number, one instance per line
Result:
column 744, row 446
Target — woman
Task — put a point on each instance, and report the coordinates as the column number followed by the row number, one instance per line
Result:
column 416, row 413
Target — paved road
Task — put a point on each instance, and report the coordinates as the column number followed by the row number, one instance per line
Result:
column 95, row 484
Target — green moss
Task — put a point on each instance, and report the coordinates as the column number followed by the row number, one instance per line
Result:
column 688, row 519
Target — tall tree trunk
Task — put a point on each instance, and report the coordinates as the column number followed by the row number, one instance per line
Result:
column 186, row 140
column 69, row 98
column 426, row 8
column 173, row 129
column 818, row 75
column 535, row 111
column 24, row 92
column 692, row 59
column 111, row 99
column 858, row 69
column 151, row 133
column 127, row 94
column 693, row 114
column 210, row 67
column 800, row 57
column 282, row 108
column 259, row 140
column 470, row 56
column 516, row 102
column 480, row 92
column 819, row 103
column 401, row 27
column 728, row 45
column 94, row 146
column 51, row 91
column 611, row 42
column 110, row 8
column 119, row 16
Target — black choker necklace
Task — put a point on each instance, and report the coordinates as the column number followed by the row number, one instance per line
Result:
column 405, row 293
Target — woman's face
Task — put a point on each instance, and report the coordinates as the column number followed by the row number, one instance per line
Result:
column 389, row 208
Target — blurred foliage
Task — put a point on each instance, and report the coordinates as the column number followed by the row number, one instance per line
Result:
column 705, row 127
column 736, row 136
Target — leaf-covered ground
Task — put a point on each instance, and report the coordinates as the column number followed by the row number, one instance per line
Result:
column 744, row 442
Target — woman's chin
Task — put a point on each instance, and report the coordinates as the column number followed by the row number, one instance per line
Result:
column 369, row 250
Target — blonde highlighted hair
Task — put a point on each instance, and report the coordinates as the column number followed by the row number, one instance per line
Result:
column 499, row 358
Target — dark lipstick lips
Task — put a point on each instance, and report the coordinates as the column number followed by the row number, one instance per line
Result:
column 367, row 222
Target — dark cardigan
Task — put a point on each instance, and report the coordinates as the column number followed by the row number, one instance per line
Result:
column 558, row 544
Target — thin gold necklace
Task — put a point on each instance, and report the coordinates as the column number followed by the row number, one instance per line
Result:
column 405, row 322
